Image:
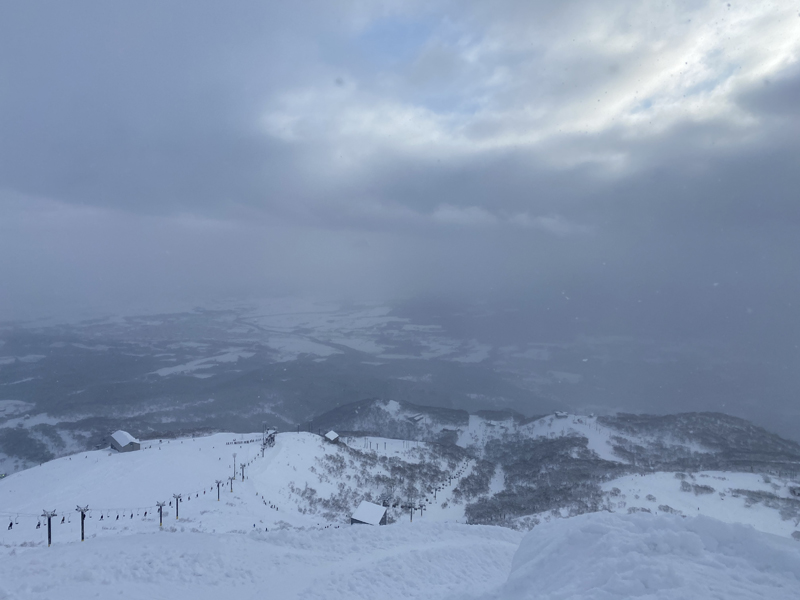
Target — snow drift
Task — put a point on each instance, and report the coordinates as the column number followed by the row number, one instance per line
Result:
column 610, row 557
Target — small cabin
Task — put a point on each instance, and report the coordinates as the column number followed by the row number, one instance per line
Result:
column 368, row 513
column 122, row 441
column 560, row 414
column 332, row 437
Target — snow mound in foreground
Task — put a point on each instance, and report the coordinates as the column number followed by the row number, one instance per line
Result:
column 603, row 556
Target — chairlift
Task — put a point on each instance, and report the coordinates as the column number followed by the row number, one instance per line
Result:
column 16, row 520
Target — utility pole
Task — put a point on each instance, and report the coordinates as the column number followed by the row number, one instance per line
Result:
column 218, row 482
column 231, row 479
column 177, row 501
column 82, row 510
column 242, row 467
column 49, row 514
column 161, row 506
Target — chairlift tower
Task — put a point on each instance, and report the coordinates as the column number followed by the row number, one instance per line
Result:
column 177, row 501
column 231, row 479
column 161, row 506
column 219, row 482
column 49, row 514
column 83, row 510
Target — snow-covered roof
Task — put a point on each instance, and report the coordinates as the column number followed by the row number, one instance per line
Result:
column 369, row 513
column 331, row 435
column 123, row 438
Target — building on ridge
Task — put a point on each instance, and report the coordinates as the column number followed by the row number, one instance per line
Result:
column 368, row 513
column 122, row 441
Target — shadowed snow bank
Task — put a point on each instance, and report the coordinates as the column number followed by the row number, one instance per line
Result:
column 602, row 556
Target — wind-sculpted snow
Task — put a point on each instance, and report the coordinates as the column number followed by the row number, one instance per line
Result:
column 609, row 557
column 412, row 561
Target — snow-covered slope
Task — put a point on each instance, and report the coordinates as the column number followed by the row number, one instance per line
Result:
column 303, row 481
column 284, row 531
column 526, row 468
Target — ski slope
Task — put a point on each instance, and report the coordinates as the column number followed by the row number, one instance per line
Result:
column 267, row 539
column 120, row 488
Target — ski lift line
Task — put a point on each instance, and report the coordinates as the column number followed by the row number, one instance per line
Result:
column 13, row 515
column 99, row 509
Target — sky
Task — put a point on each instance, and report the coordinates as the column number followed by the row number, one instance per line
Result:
column 640, row 161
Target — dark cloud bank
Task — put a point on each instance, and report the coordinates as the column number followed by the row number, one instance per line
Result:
column 581, row 172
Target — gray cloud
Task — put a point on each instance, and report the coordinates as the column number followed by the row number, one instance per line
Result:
column 642, row 158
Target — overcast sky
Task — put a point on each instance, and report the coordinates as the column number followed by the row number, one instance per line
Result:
column 639, row 158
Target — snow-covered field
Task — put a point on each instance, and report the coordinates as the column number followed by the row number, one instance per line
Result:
column 719, row 494
column 266, row 539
